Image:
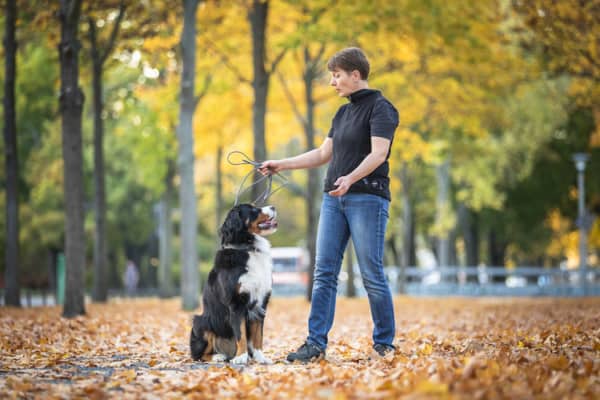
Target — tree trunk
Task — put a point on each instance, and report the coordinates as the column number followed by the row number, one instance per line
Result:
column 452, row 256
column 399, row 260
column 52, row 260
column 312, row 216
column 165, row 229
column 100, row 292
column 468, row 224
column 350, row 287
column 312, row 208
column 71, row 106
column 442, row 209
column 187, row 193
column 12, row 296
column 497, row 249
column 257, row 15
column 496, row 253
column 395, row 258
column 219, row 191
column 398, row 286
column 114, row 277
column 408, row 242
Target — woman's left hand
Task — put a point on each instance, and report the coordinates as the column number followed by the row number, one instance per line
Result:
column 343, row 183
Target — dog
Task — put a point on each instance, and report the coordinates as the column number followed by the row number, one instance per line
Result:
column 238, row 290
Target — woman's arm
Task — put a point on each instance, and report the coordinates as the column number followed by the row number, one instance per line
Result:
column 379, row 150
column 310, row 159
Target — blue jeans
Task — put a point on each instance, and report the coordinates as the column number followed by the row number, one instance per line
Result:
column 364, row 218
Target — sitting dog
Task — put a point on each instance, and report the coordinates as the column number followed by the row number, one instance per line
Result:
column 238, row 290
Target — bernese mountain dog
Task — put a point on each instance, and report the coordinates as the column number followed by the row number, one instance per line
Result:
column 238, row 290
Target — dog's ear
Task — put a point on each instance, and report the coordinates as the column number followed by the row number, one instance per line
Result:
column 233, row 226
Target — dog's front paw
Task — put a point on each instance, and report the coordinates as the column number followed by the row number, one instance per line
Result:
column 241, row 359
column 260, row 357
column 219, row 358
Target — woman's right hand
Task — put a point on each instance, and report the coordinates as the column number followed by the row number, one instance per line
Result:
column 270, row 167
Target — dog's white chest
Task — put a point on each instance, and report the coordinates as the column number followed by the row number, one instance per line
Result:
column 258, row 280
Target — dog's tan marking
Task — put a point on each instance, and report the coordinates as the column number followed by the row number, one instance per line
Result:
column 227, row 347
column 209, row 351
column 256, row 334
column 242, row 344
column 253, row 227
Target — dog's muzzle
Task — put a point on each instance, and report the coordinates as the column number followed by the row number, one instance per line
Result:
column 271, row 222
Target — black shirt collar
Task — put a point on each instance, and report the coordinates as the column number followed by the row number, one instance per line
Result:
column 361, row 94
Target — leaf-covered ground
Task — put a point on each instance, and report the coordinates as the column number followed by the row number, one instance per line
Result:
column 447, row 348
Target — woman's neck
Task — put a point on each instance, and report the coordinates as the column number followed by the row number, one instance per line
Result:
column 361, row 85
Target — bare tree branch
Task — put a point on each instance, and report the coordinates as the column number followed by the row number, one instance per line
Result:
column 276, row 61
column 325, row 97
column 320, row 53
column 292, row 101
column 114, row 33
column 93, row 40
column 205, row 86
column 312, row 65
column 229, row 65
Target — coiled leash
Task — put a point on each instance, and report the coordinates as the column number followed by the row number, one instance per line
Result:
column 268, row 192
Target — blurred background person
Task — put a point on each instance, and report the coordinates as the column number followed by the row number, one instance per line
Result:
column 131, row 278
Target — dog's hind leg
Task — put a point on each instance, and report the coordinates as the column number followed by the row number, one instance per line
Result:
column 225, row 348
column 201, row 339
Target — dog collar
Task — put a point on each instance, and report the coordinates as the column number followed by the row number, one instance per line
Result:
column 246, row 247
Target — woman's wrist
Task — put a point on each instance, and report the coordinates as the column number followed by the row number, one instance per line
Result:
column 284, row 164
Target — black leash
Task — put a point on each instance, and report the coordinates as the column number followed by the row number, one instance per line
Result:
column 268, row 192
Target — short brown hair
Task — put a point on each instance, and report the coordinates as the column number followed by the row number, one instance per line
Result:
column 350, row 59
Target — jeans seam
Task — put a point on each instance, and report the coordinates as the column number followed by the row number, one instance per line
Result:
column 380, row 224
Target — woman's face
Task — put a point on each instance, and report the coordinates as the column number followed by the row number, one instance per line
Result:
column 345, row 83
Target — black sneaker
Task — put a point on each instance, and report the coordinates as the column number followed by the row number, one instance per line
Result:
column 307, row 352
column 383, row 349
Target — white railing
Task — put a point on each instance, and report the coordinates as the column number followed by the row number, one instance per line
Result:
column 487, row 281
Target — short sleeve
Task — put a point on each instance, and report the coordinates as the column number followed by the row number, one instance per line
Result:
column 384, row 119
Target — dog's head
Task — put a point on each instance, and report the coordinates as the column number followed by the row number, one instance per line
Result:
column 245, row 220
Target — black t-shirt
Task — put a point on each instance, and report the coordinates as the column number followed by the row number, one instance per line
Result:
column 367, row 114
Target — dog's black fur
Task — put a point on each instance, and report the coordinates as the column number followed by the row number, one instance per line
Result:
column 232, row 320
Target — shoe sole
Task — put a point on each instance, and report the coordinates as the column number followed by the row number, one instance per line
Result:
column 313, row 359
column 384, row 355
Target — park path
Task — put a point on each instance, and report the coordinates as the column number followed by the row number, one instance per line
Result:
column 447, row 348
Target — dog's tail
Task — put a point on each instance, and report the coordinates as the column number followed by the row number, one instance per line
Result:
column 197, row 342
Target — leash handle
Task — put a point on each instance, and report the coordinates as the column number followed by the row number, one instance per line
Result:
column 268, row 192
column 244, row 161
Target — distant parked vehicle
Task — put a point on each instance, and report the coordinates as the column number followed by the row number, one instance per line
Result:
column 513, row 281
column 290, row 270
column 432, row 278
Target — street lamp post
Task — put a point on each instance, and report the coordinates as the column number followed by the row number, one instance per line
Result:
column 580, row 159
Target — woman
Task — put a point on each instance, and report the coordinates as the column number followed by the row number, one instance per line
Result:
column 355, row 203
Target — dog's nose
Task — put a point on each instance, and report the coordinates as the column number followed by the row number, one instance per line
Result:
column 270, row 211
